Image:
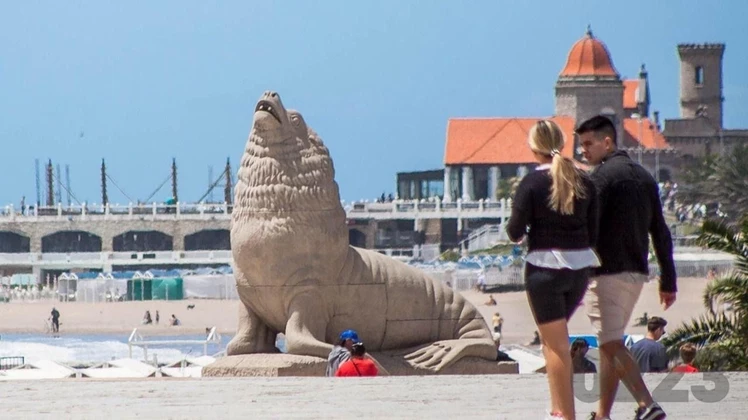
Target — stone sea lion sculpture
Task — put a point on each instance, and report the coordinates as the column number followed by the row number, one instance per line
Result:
column 296, row 273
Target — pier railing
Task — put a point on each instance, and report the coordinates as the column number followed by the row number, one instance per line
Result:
column 137, row 340
column 397, row 209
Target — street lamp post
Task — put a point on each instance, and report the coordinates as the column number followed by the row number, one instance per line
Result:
column 639, row 140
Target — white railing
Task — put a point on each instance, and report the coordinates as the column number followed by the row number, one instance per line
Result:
column 397, row 209
column 426, row 209
column 101, row 259
column 153, row 211
column 137, row 340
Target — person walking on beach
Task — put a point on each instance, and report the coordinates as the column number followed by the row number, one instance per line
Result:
column 55, row 320
column 630, row 211
column 558, row 202
column 55, row 316
column 498, row 323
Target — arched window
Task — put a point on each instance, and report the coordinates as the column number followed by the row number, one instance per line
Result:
column 699, row 75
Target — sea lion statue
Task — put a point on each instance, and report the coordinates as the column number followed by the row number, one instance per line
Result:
column 297, row 274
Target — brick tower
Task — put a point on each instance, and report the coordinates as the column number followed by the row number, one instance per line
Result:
column 701, row 81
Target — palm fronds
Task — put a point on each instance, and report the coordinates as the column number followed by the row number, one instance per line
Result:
column 722, row 338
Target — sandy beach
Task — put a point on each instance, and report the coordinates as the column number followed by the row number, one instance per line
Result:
column 519, row 325
column 122, row 317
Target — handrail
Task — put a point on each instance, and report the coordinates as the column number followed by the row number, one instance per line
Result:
column 137, row 340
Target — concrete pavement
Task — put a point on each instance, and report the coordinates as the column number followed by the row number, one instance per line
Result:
column 522, row 397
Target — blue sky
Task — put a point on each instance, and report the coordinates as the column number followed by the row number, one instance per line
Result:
column 146, row 82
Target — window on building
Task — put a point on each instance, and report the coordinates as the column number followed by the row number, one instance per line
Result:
column 699, row 75
column 455, row 182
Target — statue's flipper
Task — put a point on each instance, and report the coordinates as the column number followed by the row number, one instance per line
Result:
column 252, row 335
column 441, row 354
column 307, row 323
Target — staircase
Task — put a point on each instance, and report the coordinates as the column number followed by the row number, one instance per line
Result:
column 484, row 237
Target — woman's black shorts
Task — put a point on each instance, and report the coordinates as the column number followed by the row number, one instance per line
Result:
column 554, row 293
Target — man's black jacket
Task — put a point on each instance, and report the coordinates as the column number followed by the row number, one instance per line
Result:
column 630, row 210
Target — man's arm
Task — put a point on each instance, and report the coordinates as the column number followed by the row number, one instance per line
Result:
column 516, row 227
column 663, row 244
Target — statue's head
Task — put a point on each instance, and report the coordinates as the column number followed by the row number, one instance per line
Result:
column 285, row 165
column 273, row 124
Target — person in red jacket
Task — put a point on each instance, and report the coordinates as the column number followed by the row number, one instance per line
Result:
column 357, row 365
column 688, row 354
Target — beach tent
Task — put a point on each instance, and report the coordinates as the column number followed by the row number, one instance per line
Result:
column 22, row 279
column 99, row 287
column 210, row 285
column 155, row 285
column 167, row 288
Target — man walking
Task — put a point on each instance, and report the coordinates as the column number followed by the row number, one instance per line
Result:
column 55, row 320
column 630, row 210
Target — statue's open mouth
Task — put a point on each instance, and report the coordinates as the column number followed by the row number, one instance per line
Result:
column 268, row 107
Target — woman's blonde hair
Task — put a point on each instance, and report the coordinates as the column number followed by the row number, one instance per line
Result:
column 547, row 139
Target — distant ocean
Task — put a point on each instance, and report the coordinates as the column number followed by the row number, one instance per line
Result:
column 93, row 348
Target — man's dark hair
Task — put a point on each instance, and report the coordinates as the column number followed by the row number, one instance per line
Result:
column 580, row 342
column 358, row 349
column 599, row 124
column 654, row 323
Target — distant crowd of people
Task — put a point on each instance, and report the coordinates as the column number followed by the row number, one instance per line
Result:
column 148, row 320
column 386, row 199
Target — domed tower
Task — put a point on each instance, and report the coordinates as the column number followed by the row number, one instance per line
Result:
column 589, row 84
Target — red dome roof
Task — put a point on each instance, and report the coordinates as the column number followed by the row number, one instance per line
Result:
column 589, row 57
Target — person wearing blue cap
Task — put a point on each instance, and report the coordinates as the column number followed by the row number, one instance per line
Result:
column 341, row 352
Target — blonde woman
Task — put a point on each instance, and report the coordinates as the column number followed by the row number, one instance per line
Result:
column 558, row 203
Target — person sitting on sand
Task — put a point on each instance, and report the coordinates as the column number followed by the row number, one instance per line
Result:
column 147, row 318
column 535, row 340
column 358, row 364
column 174, row 321
column 491, row 301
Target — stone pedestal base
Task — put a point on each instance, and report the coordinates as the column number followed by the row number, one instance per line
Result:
column 266, row 365
column 275, row 365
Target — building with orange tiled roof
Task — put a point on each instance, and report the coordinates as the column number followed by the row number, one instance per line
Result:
column 480, row 152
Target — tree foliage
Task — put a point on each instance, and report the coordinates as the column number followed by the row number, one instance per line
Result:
column 720, row 335
column 719, row 180
column 507, row 187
